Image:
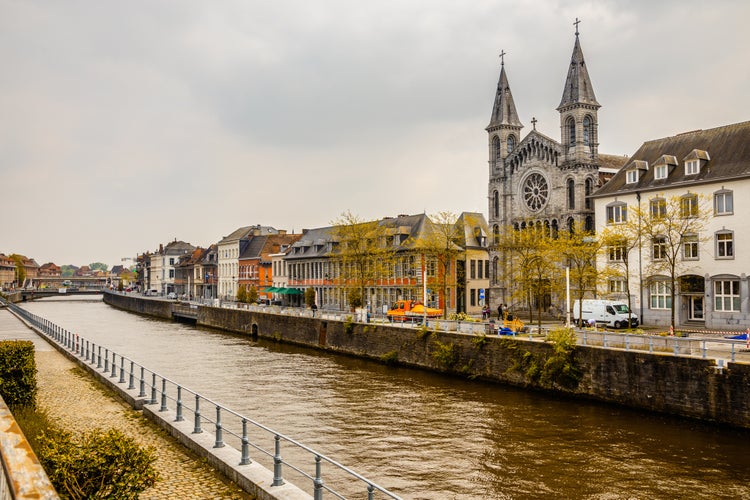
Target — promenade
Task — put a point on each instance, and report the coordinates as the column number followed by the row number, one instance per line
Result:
column 78, row 403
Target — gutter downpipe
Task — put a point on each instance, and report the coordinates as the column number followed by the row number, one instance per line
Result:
column 640, row 259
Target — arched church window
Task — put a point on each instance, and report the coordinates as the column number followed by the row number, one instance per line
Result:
column 571, row 126
column 571, row 194
column 495, row 204
column 496, row 234
column 535, row 191
column 587, row 131
column 494, row 269
column 497, row 156
column 571, row 225
column 511, row 143
column 589, row 188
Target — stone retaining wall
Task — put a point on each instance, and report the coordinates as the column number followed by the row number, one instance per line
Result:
column 662, row 382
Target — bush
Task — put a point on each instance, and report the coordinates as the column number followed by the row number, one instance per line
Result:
column 18, row 373
column 100, row 464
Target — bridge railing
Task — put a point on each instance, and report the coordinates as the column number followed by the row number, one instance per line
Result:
column 228, row 426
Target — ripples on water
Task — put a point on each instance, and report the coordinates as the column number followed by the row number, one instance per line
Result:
column 424, row 435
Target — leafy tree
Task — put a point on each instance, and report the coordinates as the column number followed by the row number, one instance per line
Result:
column 361, row 255
column 667, row 224
column 98, row 266
column 20, row 269
column 309, row 297
column 577, row 250
column 252, row 295
column 68, row 271
column 618, row 242
column 439, row 244
column 241, row 294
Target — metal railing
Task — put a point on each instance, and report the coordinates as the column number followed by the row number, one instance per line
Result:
column 228, row 426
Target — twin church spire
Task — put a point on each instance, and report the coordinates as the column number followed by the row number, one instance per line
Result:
column 577, row 108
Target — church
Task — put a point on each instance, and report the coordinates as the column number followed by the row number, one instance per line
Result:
column 535, row 179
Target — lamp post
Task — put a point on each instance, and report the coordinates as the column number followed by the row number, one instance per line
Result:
column 567, row 296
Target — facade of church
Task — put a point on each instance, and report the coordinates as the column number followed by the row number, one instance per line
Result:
column 534, row 179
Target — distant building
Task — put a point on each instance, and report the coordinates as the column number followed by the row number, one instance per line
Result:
column 229, row 250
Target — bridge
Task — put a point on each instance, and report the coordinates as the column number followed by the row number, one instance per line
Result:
column 40, row 293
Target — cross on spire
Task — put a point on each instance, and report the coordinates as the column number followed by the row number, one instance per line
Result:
column 576, row 24
column 502, row 58
column 533, row 122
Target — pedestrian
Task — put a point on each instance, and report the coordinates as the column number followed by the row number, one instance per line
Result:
column 500, row 312
column 314, row 308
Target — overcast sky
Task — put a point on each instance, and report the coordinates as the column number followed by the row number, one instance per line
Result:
column 124, row 125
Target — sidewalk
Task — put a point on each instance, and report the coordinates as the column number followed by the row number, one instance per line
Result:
column 78, row 404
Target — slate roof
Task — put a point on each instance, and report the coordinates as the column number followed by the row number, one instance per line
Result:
column 578, row 87
column 254, row 248
column 728, row 148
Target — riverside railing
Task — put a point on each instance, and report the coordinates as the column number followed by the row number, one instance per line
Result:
column 228, row 426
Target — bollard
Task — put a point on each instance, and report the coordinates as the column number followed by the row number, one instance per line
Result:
column 318, row 481
column 131, row 383
column 627, row 342
column 163, row 395
column 179, row 418
column 732, row 352
column 153, row 389
column 86, row 352
column 651, row 343
column 219, row 437
column 142, row 393
column 114, row 366
column 704, row 349
column 675, row 347
column 106, row 360
column 584, row 337
column 197, row 421
column 277, row 479
column 245, row 444
column 604, row 339
column 99, row 358
column 122, row 370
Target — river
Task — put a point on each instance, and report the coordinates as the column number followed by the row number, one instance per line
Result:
column 423, row 435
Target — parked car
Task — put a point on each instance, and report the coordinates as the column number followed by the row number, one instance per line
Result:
column 609, row 312
column 172, row 295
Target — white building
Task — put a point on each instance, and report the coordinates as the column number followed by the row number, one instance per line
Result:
column 713, row 289
column 229, row 250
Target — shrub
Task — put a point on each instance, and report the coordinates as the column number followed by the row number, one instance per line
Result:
column 389, row 358
column 349, row 325
column 100, row 464
column 18, row 373
column 445, row 354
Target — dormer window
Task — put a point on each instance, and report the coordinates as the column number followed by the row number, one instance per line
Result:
column 631, row 176
column 695, row 160
column 632, row 172
column 660, row 172
column 663, row 166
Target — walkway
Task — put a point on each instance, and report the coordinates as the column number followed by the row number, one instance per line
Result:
column 72, row 398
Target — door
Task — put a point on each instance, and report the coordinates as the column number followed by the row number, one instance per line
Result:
column 696, row 308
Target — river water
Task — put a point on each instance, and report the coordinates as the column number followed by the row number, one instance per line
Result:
column 423, row 435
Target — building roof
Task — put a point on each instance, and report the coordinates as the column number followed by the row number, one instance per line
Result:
column 724, row 153
column 578, row 89
column 504, row 111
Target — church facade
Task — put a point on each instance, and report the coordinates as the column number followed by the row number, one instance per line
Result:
column 535, row 179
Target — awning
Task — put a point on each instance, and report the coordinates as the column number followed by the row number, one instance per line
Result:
column 289, row 291
column 269, row 289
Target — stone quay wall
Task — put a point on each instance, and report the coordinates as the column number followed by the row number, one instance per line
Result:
column 660, row 382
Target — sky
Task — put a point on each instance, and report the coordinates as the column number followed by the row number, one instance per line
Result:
column 124, row 125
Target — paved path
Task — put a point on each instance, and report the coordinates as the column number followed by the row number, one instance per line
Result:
column 79, row 403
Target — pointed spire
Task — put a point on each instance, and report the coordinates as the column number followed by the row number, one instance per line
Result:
column 504, row 110
column 578, row 89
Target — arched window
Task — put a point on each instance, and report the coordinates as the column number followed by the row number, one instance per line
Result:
column 511, row 143
column 496, row 204
column 496, row 234
column 571, row 194
column 589, row 227
column 589, row 188
column 570, row 124
column 587, row 131
column 496, row 153
column 571, row 225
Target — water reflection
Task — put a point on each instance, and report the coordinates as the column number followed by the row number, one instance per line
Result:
column 424, row 435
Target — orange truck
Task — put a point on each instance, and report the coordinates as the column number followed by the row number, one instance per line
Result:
column 404, row 310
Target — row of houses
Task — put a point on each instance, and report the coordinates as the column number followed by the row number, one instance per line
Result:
column 282, row 266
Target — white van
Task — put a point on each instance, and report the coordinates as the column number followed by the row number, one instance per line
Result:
column 609, row 312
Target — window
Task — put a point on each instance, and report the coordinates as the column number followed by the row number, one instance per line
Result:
column 723, row 203
column 690, row 247
column 726, row 295
column 661, row 295
column 588, row 189
column 171, row 261
column 616, row 286
column 658, row 208
column 659, row 248
column 587, row 131
column 631, row 176
column 617, row 214
column 616, row 253
column 496, row 234
column 571, row 194
column 496, row 150
column 571, row 124
column 660, row 172
column 171, row 273
column 486, row 269
column 725, row 245
column 496, row 204
column 511, row 143
column 692, row 167
column 479, row 270
column 689, row 205
column 473, row 267
column 473, row 297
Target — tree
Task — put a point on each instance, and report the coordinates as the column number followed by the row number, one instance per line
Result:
column 439, row 244
column 577, row 250
column 668, row 225
column 531, row 260
column 241, row 294
column 309, row 297
column 20, row 269
column 252, row 295
column 618, row 242
column 361, row 254
column 98, row 266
